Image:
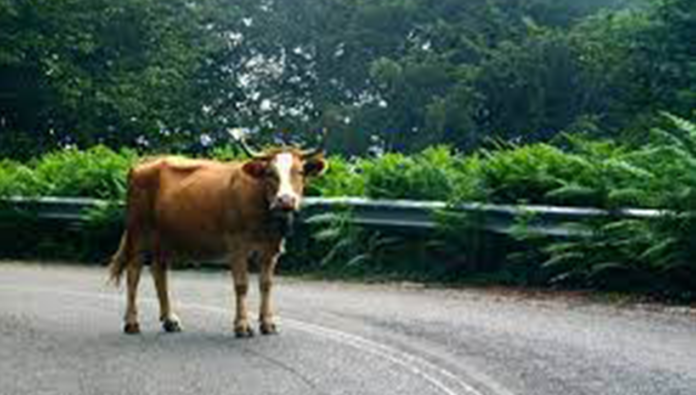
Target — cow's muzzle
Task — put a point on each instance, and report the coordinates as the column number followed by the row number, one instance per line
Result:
column 285, row 203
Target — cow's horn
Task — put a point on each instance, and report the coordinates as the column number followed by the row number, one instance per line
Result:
column 238, row 135
column 319, row 149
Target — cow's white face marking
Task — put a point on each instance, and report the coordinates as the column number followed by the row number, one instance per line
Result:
column 283, row 166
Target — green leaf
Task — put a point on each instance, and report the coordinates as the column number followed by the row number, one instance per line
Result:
column 606, row 268
column 567, row 259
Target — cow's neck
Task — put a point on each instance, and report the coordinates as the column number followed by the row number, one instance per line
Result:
column 280, row 224
column 273, row 222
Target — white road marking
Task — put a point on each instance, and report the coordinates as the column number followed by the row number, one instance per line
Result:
column 416, row 365
column 405, row 360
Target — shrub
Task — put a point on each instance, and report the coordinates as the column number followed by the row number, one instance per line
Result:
column 98, row 172
column 227, row 153
column 342, row 178
column 467, row 180
column 591, row 174
column 17, row 179
column 434, row 174
column 529, row 173
column 622, row 254
column 610, row 179
column 639, row 255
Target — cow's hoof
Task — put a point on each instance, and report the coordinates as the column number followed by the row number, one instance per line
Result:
column 131, row 328
column 242, row 331
column 171, row 325
column 268, row 328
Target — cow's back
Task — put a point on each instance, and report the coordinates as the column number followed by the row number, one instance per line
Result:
column 187, row 200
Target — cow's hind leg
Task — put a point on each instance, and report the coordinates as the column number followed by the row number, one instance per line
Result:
column 239, row 266
column 266, row 324
column 170, row 321
column 134, row 269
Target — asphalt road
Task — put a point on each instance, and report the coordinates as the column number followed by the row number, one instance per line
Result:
column 60, row 333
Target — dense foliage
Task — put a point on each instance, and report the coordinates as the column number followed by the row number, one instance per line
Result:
column 397, row 75
column 98, row 172
column 87, row 72
column 506, row 101
column 627, row 254
column 630, row 254
column 572, row 171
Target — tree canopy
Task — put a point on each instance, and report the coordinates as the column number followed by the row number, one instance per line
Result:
column 392, row 74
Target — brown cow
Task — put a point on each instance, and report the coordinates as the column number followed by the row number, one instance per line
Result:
column 179, row 207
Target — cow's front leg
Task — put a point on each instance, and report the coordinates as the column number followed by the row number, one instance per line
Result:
column 266, row 324
column 239, row 266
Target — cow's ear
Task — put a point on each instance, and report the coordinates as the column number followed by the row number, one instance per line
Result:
column 315, row 166
column 255, row 168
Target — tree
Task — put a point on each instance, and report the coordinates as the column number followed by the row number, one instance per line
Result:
column 396, row 74
column 640, row 63
column 84, row 72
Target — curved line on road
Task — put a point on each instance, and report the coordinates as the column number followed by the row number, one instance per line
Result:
column 405, row 360
column 395, row 356
column 391, row 354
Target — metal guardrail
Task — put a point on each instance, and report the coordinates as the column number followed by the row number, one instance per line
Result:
column 69, row 210
column 404, row 215
column 504, row 219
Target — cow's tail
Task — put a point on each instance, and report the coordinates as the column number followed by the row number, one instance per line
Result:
column 124, row 254
column 120, row 260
